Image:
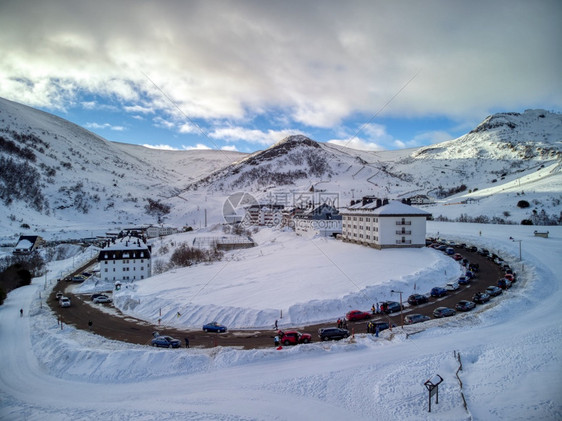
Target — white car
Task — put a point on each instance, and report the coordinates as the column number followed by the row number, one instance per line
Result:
column 102, row 299
column 452, row 286
column 64, row 302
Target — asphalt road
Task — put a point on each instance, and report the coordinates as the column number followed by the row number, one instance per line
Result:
column 114, row 325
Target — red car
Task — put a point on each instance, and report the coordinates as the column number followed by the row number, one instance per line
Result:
column 357, row 315
column 292, row 337
column 457, row 257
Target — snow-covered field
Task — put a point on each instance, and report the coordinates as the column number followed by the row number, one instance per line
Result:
column 511, row 353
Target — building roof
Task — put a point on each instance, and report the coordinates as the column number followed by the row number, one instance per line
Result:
column 125, row 248
column 396, row 208
column 393, row 208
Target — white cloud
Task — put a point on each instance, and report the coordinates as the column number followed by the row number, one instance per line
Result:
column 316, row 63
column 231, row 148
column 358, row 144
column 199, row 146
column 104, row 126
column 238, row 134
column 163, row 147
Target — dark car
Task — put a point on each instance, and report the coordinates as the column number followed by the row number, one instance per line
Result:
column 416, row 299
column 504, row 283
column 474, row 267
column 214, row 327
column 481, row 297
column 438, row 292
column 465, row 305
column 473, row 249
column 293, row 337
column 469, row 274
column 332, row 333
column 463, row 280
column 390, row 307
column 166, row 342
column 443, row 312
column 411, row 319
column 372, row 327
column 494, row 291
column 484, row 252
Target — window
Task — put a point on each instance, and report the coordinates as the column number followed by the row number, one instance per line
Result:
column 105, row 269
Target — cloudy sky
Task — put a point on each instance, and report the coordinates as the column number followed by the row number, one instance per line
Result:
column 242, row 75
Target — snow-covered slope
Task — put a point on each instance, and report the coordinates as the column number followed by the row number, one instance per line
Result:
column 57, row 176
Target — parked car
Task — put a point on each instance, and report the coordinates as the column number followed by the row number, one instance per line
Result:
column 474, row 267
column 463, row 280
column 78, row 278
column 64, row 302
column 102, row 299
column 416, row 299
column 465, row 262
column 293, row 337
column 484, row 252
column 494, row 291
column 411, row 319
column 97, row 294
column 510, row 277
column 481, row 297
column 166, row 342
column 465, row 305
column 390, row 307
column 469, row 274
column 504, row 283
column 372, row 326
column 457, row 257
column 332, row 333
column 452, row 286
column 58, row 295
column 443, row 312
column 438, row 292
column 357, row 315
column 473, row 249
column 214, row 327
column 450, row 251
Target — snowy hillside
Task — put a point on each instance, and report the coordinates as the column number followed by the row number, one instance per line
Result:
column 57, row 177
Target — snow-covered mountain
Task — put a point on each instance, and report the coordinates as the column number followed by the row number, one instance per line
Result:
column 57, row 176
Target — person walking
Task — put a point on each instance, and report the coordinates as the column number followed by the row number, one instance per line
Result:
column 21, row 312
column 276, row 340
column 186, row 342
column 90, row 324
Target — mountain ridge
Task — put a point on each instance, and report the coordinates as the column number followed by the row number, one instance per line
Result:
column 83, row 181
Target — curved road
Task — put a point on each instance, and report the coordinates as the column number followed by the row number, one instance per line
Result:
column 128, row 329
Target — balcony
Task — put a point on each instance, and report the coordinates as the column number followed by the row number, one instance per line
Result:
column 404, row 232
column 403, row 241
column 403, row 222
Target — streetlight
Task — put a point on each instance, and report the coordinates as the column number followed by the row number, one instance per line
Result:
column 401, row 314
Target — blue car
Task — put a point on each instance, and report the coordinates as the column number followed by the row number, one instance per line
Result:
column 463, row 280
column 443, row 312
column 438, row 292
column 166, row 342
column 214, row 327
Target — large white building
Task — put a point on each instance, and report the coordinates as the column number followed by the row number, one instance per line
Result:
column 395, row 224
column 125, row 259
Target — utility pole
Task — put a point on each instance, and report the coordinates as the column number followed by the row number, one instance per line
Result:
column 401, row 313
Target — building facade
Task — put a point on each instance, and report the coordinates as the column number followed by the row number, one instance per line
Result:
column 125, row 259
column 323, row 220
column 392, row 225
